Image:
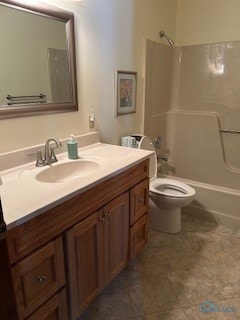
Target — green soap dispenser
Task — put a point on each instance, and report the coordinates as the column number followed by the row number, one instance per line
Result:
column 72, row 147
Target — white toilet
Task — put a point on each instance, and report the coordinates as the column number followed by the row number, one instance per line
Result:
column 167, row 196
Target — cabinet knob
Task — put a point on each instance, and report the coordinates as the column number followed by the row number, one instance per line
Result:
column 107, row 214
column 102, row 219
column 141, row 200
column 41, row 279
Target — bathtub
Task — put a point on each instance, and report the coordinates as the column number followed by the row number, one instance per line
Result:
column 214, row 203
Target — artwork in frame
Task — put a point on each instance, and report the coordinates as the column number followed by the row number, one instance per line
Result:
column 126, row 90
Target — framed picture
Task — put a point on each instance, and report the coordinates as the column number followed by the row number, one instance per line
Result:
column 126, row 90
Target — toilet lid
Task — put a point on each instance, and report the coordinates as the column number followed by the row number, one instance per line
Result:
column 146, row 144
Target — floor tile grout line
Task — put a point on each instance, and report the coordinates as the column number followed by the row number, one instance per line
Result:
column 128, row 291
column 163, row 310
column 173, row 291
column 207, row 277
column 213, row 283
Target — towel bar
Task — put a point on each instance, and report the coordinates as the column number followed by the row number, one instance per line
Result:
column 229, row 130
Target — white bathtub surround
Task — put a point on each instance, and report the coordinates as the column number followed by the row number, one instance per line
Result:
column 198, row 154
column 24, row 197
column 197, row 149
column 214, row 203
column 204, row 98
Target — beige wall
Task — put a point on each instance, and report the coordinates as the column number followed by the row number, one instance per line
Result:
column 109, row 36
column 207, row 21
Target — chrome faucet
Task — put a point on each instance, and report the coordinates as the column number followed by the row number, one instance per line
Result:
column 49, row 156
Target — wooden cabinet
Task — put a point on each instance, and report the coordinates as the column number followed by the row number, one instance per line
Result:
column 139, row 205
column 116, row 236
column 86, row 240
column 139, row 200
column 54, row 309
column 97, row 251
column 85, row 262
column 138, row 235
column 38, row 277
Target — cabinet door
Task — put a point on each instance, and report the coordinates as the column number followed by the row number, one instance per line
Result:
column 116, row 235
column 85, row 262
column 38, row 277
column 139, row 201
column 138, row 235
column 8, row 308
column 54, row 309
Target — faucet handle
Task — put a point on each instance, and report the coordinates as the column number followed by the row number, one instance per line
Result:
column 53, row 157
column 40, row 162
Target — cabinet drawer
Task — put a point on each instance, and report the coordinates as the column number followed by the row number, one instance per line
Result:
column 38, row 277
column 54, row 309
column 139, row 200
column 138, row 235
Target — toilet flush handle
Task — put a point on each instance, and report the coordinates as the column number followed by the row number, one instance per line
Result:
column 158, row 142
column 162, row 157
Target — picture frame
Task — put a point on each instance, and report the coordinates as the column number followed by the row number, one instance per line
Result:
column 126, row 92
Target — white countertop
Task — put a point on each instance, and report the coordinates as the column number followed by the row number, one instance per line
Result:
column 24, row 197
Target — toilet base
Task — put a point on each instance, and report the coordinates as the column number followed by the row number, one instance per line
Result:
column 164, row 219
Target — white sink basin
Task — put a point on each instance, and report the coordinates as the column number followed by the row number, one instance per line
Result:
column 68, row 171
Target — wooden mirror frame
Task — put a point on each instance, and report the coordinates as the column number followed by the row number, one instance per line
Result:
column 67, row 17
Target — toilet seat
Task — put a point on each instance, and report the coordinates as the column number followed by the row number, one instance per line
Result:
column 170, row 188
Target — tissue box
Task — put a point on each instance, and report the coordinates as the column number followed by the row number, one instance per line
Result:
column 128, row 141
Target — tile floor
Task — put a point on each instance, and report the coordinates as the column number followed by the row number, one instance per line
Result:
column 192, row 275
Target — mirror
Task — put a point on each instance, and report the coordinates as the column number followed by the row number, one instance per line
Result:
column 37, row 60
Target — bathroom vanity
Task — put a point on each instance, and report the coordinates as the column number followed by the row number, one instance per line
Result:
column 62, row 256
